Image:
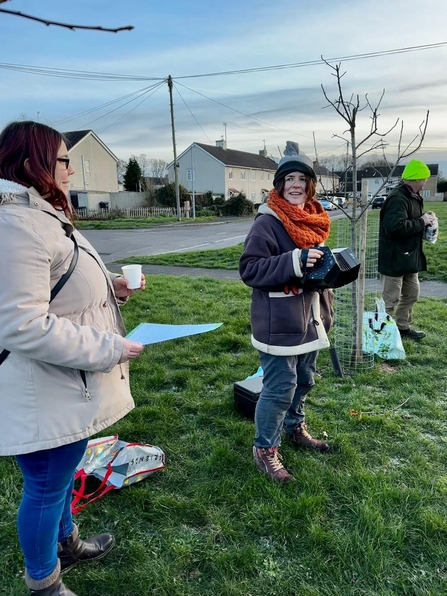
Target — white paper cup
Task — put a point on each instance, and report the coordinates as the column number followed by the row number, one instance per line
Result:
column 133, row 275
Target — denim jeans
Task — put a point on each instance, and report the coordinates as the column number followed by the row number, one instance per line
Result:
column 287, row 380
column 44, row 517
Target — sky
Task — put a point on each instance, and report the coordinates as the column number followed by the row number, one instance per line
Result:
column 184, row 39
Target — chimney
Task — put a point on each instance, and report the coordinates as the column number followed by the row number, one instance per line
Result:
column 263, row 152
column 221, row 143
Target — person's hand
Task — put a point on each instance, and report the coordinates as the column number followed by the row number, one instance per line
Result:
column 428, row 219
column 121, row 289
column 312, row 257
column 131, row 350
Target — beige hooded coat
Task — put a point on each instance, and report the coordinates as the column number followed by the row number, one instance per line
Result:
column 45, row 401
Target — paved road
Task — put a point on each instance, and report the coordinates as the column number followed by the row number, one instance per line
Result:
column 113, row 245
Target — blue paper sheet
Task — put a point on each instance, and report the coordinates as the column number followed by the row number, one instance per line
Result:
column 154, row 333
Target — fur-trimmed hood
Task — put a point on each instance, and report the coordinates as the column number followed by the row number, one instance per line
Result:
column 9, row 189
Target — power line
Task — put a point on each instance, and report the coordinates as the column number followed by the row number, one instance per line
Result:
column 242, row 113
column 197, row 122
column 157, row 87
column 320, row 61
column 124, row 104
column 75, row 74
column 104, row 105
column 101, row 76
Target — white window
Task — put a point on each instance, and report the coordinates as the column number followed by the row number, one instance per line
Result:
column 253, row 175
column 242, row 174
column 189, row 175
column 262, row 175
column 253, row 197
column 87, row 165
column 426, row 193
column 230, row 174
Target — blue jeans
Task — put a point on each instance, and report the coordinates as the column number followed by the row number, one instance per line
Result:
column 44, row 517
column 287, row 380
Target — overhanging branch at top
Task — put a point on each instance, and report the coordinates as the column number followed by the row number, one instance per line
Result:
column 47, row 22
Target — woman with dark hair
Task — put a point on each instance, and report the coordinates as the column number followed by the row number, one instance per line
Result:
column 289, row 323
column 63, row 359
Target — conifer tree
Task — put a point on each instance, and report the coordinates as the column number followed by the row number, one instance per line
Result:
column 132, row 177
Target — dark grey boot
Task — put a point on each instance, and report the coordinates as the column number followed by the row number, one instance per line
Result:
column 48, row 586
column 73, row 550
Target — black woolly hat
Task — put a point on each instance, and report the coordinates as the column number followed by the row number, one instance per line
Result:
column 294, row 163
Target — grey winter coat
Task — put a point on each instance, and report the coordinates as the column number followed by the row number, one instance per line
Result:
column 282, row 324
column 45, row 401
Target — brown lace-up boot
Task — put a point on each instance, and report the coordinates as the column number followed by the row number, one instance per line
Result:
column 269, row 461
column 300, row 436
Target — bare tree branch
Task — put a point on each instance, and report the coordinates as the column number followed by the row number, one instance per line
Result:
column 422, row 130
column 345, row 114
column 335, row 136
column 320, row 180
column 18, row 13
column 374, row 147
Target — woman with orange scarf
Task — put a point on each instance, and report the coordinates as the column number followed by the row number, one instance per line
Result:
column 289, row 323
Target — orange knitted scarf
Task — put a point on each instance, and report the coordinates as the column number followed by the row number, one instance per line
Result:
column 307, row 227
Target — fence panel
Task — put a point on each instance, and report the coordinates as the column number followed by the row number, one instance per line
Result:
column 136, row 212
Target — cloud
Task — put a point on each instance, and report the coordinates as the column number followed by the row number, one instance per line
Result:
column 181, row 39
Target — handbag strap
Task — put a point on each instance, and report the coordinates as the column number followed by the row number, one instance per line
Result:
column 57, row 288
column 63, row 280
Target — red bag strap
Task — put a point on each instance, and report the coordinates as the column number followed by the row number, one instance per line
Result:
column 80, row 495
column 75, row 508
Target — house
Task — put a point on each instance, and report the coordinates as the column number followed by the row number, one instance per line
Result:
column 225, row 172
column 95, row 169
column 377, row 176
column 154, row 182
column 327, row 181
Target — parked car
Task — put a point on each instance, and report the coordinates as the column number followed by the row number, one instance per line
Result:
column 327, row 205
column 378, row 202
column 340, row 201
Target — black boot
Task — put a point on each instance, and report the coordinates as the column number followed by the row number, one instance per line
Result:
column 48, row 586
column 73, row 550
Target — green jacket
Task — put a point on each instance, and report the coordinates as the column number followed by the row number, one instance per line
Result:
column 400, row 233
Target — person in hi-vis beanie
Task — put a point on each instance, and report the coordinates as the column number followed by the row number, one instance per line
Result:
column 402, row 226
column 416, row 170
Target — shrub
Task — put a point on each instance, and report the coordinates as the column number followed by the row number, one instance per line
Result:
column 166, row 195
column 237, row 206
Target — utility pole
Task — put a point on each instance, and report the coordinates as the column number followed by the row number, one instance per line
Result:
column 177, row 193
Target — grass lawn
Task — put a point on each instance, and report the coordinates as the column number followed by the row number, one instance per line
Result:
column 123, row 223
column 228, row 258
column 367, row 519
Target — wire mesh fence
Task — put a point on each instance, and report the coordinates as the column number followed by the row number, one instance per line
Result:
column 345, row 337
